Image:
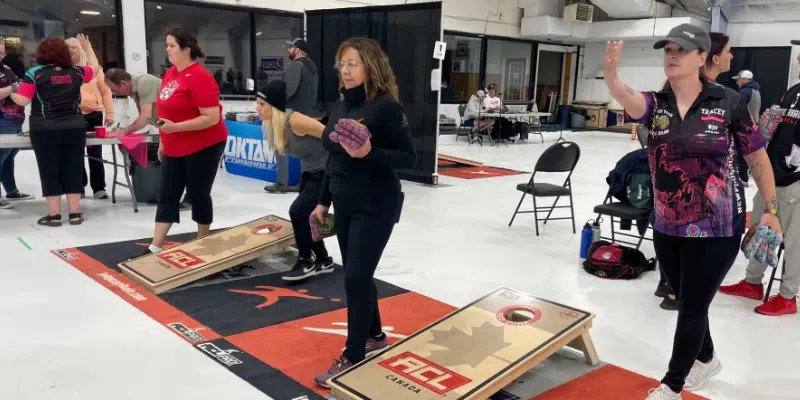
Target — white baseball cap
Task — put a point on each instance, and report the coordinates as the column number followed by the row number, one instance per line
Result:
column 744, row 74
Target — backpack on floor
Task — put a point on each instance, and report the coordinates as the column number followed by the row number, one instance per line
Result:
column 614, row 261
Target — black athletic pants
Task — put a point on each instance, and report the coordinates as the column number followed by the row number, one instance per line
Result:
column 59, row 155
column 694, row 268
column 363, row 227
column 97, row 171
column 300, row 211
column 194, row 172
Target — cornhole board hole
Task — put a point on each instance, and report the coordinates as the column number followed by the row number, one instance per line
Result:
column 199, row 258
column 472, row 353
column 460, row 160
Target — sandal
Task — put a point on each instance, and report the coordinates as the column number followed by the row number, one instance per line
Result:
column 50, row 220
column 76, row 218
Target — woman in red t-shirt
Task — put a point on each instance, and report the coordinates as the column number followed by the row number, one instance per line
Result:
column 192, row 137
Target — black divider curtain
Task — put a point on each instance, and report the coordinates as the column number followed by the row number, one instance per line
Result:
column 407, row 34
column 770, row 67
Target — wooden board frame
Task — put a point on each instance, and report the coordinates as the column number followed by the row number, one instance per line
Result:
column 576, row 337
column 211, row 268
column 460, row 160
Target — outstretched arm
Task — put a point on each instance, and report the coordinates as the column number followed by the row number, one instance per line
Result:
column 634, row 103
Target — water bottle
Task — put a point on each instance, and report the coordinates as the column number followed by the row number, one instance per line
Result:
column 596, row 233
column 586, row 239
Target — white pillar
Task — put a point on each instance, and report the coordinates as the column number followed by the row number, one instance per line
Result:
column 719, row 23
column 134, row 36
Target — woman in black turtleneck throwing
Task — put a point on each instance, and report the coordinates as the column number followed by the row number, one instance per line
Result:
column 368, row 139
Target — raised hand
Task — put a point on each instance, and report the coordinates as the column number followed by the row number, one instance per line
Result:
column 84, row 41
column 612, row 59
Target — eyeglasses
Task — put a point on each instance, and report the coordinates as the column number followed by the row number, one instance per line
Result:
column 350, row 65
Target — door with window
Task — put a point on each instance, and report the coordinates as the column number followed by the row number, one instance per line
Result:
column 515, row 82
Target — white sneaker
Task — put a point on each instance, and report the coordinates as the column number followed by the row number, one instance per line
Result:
column 5, row 205
column 663, row 393
column 701, row 373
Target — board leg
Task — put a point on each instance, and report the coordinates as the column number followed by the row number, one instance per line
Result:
column 584, row 344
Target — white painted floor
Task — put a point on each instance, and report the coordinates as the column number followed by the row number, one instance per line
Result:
column 67, row 337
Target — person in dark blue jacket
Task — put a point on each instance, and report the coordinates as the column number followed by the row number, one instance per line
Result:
column 369, row 138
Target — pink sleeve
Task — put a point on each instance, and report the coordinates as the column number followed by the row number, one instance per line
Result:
column 88, row 73
column 26, row 90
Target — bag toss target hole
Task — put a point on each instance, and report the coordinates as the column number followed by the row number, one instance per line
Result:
column 518, row 315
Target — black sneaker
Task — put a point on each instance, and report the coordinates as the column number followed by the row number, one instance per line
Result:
column 668, row 303
column 303, row 269
column 324, row 266
column 17, row 196
column 662, row 289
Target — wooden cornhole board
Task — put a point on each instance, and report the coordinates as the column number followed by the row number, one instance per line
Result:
column 472, row 353
column 460, row 160
column 194, row 260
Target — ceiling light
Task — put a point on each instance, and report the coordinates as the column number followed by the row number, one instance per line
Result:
column 258, row 33
column 90, row 12
column 158, row 6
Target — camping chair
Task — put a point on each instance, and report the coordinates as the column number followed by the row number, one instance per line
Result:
column 560, row 157
column 773, row 279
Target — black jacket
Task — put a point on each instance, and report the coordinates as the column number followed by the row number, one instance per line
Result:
column 392, row 149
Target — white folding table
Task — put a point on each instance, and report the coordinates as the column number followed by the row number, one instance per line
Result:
column 24, row 142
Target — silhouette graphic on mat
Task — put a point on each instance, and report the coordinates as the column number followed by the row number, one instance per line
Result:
column 273, row 294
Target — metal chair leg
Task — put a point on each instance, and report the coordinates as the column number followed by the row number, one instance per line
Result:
column 515, row 211
column 772, row 278
column 572, row 211
column 551, row 210
column 535, row 215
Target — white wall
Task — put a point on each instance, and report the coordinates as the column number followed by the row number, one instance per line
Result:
column 641, row 67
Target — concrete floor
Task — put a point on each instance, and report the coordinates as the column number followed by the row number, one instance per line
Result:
column 69, row 338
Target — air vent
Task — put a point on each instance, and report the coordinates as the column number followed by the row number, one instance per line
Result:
column 578, row 13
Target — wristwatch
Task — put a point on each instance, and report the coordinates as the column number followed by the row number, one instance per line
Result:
column 15, row 87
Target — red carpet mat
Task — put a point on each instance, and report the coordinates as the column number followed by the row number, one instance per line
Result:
column 278, row 337
column 479, row 172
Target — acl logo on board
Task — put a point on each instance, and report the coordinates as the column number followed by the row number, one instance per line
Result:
column 224, row 356
column 180, row 259
column 433, row 377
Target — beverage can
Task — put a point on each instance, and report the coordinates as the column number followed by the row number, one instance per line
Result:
column 773, row 119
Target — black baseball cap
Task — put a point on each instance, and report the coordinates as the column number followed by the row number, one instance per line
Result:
column 274, row 94
column 300, row 44
column 491, row 86
column 796, row 42
column 688, row 36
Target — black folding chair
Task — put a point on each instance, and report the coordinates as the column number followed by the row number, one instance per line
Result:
column 560, row 157
column 462, row 108
column 618, row 212
column 773, row 279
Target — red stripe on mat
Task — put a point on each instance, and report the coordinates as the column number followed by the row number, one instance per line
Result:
column 607, row 383
column 478, row 172
column 147, row 302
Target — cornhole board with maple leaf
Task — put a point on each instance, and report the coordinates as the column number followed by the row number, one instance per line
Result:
column 199, row 258
column 472, row 353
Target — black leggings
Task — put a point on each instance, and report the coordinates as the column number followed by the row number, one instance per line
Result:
column 363, row 232
column 694, row 268
column 195, row 173
column 299, row 212
column 59, row 155
column 97, row 171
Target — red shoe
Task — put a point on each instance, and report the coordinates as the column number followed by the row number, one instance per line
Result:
column 778, row 305
column 744, row 289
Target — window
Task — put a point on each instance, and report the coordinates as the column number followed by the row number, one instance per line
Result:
column 508, row 65
column 272, row 52
column 461, row 69
column 23, row 23
column 223, row 34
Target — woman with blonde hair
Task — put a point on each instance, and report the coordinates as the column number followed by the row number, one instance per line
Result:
column 297, row 135
column 369, row 138
column 95, row 98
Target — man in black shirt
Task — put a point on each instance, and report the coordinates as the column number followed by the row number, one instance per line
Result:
column 784, row 155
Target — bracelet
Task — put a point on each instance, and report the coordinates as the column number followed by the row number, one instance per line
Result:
column 771, row 211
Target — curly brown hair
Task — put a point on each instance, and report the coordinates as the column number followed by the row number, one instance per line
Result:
column 53, row 51
column 379, row 74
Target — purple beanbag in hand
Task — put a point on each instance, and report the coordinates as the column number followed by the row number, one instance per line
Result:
column 322, row 230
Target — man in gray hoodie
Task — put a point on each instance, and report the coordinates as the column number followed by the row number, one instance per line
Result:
column 302, row 82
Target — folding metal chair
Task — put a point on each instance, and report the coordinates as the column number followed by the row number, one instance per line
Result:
column 773, row 279
column 560, row 157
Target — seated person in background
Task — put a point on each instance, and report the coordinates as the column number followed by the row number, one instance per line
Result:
column 475, row 107
column 492, row 103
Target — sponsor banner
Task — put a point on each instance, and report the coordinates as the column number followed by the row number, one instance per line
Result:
column 248, row 154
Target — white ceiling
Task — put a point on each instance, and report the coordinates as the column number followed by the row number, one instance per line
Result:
column 62, row 10
column 760, row 10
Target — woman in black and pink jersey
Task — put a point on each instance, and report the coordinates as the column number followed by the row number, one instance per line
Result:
column 58, row 130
